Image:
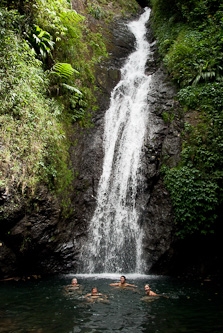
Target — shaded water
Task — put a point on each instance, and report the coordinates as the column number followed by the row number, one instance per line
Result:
column 114, row 227
column 44, row 307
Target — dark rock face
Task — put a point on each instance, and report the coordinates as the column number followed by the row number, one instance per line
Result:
column 143, row 3
column 34, row 239
column 157, row 218
column 194, row 257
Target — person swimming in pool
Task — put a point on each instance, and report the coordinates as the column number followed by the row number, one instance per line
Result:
column 122, row 283
column 73, row 286
column 148, row 291
column 94, row 295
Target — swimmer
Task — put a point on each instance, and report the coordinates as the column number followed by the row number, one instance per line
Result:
column 122, row 283
column 148, row 291
column 73, row 286
column 94, row 295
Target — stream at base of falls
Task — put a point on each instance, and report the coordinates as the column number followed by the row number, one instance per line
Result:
column 43, row 306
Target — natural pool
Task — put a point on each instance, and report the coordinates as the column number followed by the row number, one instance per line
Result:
column 43, row 306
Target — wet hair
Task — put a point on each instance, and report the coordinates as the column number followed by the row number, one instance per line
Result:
column 123, row 277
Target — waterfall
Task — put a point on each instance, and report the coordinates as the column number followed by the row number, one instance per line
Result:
column 114, row 237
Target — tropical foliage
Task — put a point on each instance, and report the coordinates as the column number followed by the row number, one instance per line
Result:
column 190, row 38
column 48, row 54
column 41, row 41
column 33, row 145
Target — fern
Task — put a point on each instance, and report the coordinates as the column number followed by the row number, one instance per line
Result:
column 71, row 88
column 62, row 73
column 64, row 70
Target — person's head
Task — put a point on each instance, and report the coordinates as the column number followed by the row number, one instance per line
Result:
column 94, row 290
column 74, row 281
column 147, row 288
column 122, row 279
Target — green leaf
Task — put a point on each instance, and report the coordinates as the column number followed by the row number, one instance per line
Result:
column 64, row 70
column 71, row 88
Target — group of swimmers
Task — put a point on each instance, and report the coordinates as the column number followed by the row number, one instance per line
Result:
column 96, row 295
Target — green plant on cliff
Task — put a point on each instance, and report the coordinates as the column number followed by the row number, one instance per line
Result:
column 95, row 11
column 38, row 108
column 34, row 124
column 34, row 145
column 41, row 41
column 61, row 85
column 63, row 72
column 196, row 200
column 190, row 39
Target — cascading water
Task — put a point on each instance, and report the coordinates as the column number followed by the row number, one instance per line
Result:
column 114, row 236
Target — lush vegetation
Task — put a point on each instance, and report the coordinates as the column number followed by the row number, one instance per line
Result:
column 190, row 40
column 47, row 58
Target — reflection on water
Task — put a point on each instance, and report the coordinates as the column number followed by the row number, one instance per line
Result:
column 44, row 306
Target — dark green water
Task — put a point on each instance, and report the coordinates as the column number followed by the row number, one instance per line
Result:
column 44, row 307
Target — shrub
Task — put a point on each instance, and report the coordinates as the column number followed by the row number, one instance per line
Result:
column 195, row 200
